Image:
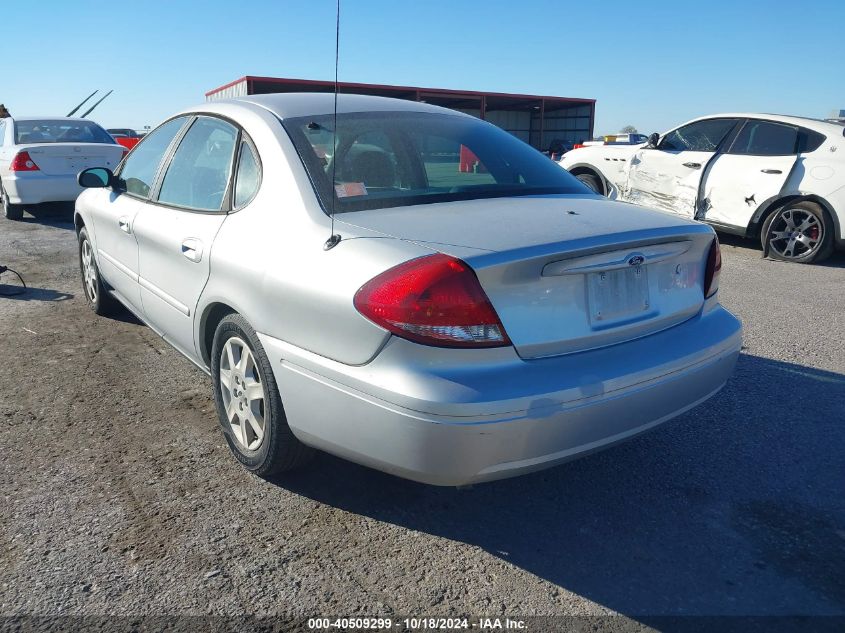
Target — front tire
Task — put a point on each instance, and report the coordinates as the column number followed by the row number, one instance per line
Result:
column 592, row 181
column 98, row 298
column 800, row 232
column 248, row 403
column 10, row 211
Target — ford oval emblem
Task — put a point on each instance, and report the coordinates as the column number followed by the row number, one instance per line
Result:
column 636, row 260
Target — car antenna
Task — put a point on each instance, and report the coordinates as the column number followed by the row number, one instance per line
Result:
column 91, row 109
column 72, row 112
column 334, row 238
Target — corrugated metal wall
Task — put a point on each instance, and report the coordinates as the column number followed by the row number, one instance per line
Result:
column 571, row 124
column 235, row 90
column 517, row 123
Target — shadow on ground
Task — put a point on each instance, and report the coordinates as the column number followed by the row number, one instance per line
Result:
column 836, row 260
column 735, row 508
column 55, row 214
column 19, row 293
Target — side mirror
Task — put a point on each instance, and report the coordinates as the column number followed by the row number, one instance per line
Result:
column 653, row 139
column 95, row 177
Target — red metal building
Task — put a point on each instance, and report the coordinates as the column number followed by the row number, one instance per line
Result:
column 544, row 122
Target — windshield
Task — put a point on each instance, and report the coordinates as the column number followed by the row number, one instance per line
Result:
column 391, row 159
column 60, row 131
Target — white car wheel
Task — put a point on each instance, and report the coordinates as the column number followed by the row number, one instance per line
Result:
column 10, row 211
column 798, row 232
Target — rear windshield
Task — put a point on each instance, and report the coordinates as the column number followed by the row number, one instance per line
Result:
column 391, row 159
column 60, row 131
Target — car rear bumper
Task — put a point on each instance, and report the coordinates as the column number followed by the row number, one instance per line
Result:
column 35, row 188
column 499, row 416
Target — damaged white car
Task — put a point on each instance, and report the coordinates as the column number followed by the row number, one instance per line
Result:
column 778, row 179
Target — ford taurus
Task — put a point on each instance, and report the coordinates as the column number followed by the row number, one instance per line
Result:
column 352, row 286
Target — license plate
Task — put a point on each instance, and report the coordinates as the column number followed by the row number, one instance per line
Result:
column 617, row 295
column 77, row 163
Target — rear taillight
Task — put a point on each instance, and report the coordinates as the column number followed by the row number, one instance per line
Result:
column 435, row 300
column 23, row 162
column 714, row 267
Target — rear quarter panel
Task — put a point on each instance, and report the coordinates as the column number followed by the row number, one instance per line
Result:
column 268, row 261
column 822, row 173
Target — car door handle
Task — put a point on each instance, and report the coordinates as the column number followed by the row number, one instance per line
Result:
column 693, row 165
column 771, row 171
column 124, row 225
column 192, row 249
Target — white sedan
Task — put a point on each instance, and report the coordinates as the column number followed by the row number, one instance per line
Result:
column 778, row 179
column 40, row 158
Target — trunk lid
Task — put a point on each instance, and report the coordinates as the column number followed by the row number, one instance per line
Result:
column 565, row 273
column 65, row 159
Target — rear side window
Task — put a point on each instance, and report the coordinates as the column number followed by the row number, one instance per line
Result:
column 701, row 136
column 140, row 167
column 809, row 141
column 198, row 174
column 766, row 138
column 248, row 177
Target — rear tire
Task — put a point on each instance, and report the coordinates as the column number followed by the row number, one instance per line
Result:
column 593, row 182
column 799, row 232
column 10, row 211
column 248, row 403
column 96, row 294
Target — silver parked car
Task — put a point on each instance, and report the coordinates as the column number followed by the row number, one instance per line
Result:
column 350, row 286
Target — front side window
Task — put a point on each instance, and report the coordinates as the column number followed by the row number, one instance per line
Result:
column 701, row 136
column 60, row 131
column 392, row 159
column 248, row 176
column 198, row 174
column 765, row 138
column 140, row 167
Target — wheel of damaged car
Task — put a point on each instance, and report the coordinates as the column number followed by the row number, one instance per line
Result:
column 10, row 211
column 248, row 403
column 592, row 182
column 800, row 232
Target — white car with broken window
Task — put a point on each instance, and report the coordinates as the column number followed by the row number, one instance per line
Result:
column 779, row 179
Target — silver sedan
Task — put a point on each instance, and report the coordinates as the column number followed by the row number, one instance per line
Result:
column 404, row 286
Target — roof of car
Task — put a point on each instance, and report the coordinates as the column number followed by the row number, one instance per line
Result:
column 49, row 118
column 813, row 124
column 296, row 104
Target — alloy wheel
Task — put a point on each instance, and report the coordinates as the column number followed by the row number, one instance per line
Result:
column 795, row 233
column 89, row 271
column 243, row 394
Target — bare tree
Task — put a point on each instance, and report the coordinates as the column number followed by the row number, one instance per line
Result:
column 628, row 129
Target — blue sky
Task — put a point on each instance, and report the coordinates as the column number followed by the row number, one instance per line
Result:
column 649, row 64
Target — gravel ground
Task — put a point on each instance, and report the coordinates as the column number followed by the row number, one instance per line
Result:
column 119, row 495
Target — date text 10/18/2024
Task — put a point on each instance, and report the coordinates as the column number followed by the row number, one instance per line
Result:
column 413, row 624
